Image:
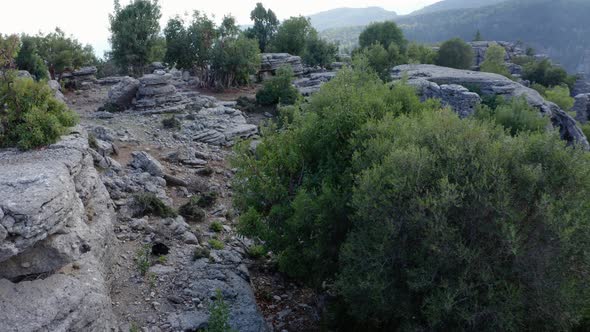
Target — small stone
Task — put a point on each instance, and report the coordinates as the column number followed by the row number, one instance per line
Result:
column 277, row 298
column 26, row 265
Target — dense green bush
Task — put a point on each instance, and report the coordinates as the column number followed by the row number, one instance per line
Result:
column 291, row 36
column 515, row 115
column 381, row 60
column 495, row 61
column 455, row 53
column 234, row 60
column 545, row 73
column 30, row 116
column 29, row 59
column 383, row 33
column 459, row 227
column 319, row 52
column 295, row 192
column 560, row 94
column 426, row 222
column 420, row 54
column 278, row 89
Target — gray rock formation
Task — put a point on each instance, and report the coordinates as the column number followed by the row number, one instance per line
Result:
column 270, row 62
column 81, row 79
column 143, row 161
column 219, row 125
column 488, row 84
column 312, row 83
column 582, row 107
column 157, row 95
column 581, row 86
column 55, row 230
column 513, row 50
column 454, row 96
column 56, row 88
column 122, row 94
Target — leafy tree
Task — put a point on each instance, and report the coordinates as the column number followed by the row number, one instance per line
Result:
column 234, row 60
column 319, row 52
column 278, row 89
column 495, row 61
column 265, row 26
column 134, row 30
column 157, row 52
column 457, row 226
column 292, row 35
column 545, row 73
column 560, row 94
column 9, row 48
column 30, row 116
column 515, row 115
column 455, row 53
column 28, row 58
column 383, row 33
column 420, row 54
column 478, row 36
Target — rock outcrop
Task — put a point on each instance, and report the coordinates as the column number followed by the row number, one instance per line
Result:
column 56, row 221
column 157, row 95
column 582, row 107
column 312, row 83
column 122, row 94
column 488, row 84
column 81, row 79
column 513, row 50
column 219, row 125
column 270, row 62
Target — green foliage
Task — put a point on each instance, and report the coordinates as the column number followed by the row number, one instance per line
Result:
column 201, row 253
column 421, row 54
column 29, row 59
column 458, row 226
column 142, row 259
column 495, row 61
column 235, row 59
column 216, row 244
column 384, row 33
column 135, row 29
column 149, row 204
column 217, row 227
column 278, row 89
column 586, row 129
column 30, row 116
column 192, row 210
column 319, row 52
column 515, row 115
column 455, row 53
column 265, row 26
column 292, row 35
column 256, row 251
column 9, row 48
column 157, row 52
column 560, row 94
column 381, row 60
column 171, row 123
column 545, row 73
column 294, row 192
column 219, row 318
column 478, row 36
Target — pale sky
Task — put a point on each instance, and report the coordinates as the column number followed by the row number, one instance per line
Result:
column 88, row 21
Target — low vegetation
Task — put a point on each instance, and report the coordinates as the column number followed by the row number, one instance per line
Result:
column 192, row 211
column 216, row 244
column 145, row 204
column 278, row 89
column 219, row 315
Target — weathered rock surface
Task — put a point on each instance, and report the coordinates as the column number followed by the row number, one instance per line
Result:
column 219, row 125
column 581, row 86
column 81, row 79
column 270, row 62
column 582, row 107
column 157, row 95
column 488, row 84
column 56, row 88
column 143, row 161
column 455, row 96
column 57, row 220
column 480, row 48
column 122, row 94
column 312, row 83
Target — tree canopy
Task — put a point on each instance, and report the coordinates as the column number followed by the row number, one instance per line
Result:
column 265, row 26
column 455, row 53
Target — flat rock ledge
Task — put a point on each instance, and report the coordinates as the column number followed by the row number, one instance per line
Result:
column 56, row 220
column 458, row 89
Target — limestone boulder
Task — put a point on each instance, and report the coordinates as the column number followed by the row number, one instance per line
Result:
column 122, row 94
column 270, row 62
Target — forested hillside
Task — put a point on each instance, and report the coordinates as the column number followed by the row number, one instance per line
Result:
column 455, row 4
column 346, row 17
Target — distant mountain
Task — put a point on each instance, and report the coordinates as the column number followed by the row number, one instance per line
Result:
column 346, row 17
column 558, row 28
column 456, row 4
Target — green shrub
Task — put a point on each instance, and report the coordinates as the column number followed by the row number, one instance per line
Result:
column 547, row 74
column 256, row 251
column 455, row 53
column 216, row 244
column 143, row 259
column 219, row 315
column 586, row 129
column 217, row 227
column 495, row 61
column 278, row 89
column 515, row 115
column 31, row 117
column 149, row 204
column 201, row 253
column 171, row 123
column 458, row 226
column 560, row 94
column 418, row 53
column 294, row 192
column 191, row 211
column 207, row 199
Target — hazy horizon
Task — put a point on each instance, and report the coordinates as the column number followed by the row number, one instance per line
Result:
column 88, row 20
